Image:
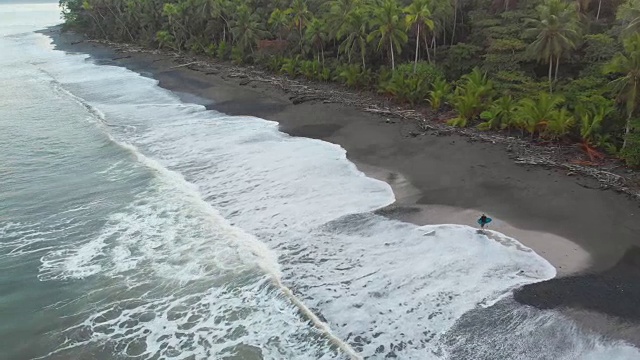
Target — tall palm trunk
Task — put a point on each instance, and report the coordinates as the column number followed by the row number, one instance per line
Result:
column 426, row 47
column 455, row 20
column 300, row 33
column 550, row 73
column 627, row 130
column 393, row 60
column 555, row 79
column 124, row 25
column 599, row 7
column 435, row 45
column 444, row 32
column 415, row 62
column 97, row 22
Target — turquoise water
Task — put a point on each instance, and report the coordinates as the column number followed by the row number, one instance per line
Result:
column 134, row 225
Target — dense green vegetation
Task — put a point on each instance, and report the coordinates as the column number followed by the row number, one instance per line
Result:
column 551, row 70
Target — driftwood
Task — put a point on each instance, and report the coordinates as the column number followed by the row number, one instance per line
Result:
column 183, row 65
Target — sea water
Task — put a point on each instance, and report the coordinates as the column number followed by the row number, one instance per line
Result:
column 135, row 225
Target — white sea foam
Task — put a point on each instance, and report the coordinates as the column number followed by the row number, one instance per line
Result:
column 239, row 229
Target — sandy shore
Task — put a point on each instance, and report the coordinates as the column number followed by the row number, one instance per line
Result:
column 581, row 230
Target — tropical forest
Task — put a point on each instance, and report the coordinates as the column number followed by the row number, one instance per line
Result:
column 553, row 71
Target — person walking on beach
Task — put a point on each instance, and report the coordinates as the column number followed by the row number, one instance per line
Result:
column 484, row 220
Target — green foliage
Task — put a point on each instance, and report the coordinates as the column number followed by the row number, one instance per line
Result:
column 324, row 74
column 275, row 63
column 501, row 40
column 556, row 32
column 583, row 87
column 631, row 153
column 441, row 90
column 559, row 125
column 164, row 39
column 598, row 48
column 459, row 59
column 499, row 115
column 517, row 84
column 536, row 114
column 237, row 55
column 247, row 29
column 223, row 51
column 389, row 31
column 290, row 66
column 591, row 113
column 210, row 50
column 471, row 97
column 71, row 13
column 353, row 76
column 509, row 45
column 407, row 85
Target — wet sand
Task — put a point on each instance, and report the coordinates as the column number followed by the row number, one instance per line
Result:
column 580, row 229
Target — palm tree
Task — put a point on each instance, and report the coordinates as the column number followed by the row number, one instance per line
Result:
column 279, row 22
column 439, row 92
column 455, row 20
column 628, row 85
column 388, row 28
column 441, row 11
column 419, row 16
column 246, row 28
column 221, row 9
column 316, row 35
column 536, row 114
column 338, row 13
column 599, row 8
column 559, row 125
column 556, row 32
column 299, row 14
column 592, row 112
column 354, row 32
column 582, row 6
column 472, row 97
column 629, row 14
column 499, row 114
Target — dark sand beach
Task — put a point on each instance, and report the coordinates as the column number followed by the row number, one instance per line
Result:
column 590, row 235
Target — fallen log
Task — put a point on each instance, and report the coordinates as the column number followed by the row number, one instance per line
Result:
column 183, row 65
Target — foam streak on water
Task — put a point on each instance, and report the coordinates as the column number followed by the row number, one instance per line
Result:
column 177, row 232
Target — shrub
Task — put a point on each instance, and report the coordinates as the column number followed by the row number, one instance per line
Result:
column 411, row 86
column 459, row 59
column 631, row 153
column 536, row 114
column 165, row 39
column 499, row 115
column 290, row 66
column 353, row 75
column 580, row 88
column 223, row 51
column 472, row 96
column 274, row 63
column 518, row 84
column 210, row 49
column 237, row 55
column 441, row 89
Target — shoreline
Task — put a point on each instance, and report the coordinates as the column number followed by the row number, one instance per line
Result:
column 437, row 178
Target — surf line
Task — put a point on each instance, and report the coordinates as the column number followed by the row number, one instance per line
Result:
column 319, row 324
column 256, row 247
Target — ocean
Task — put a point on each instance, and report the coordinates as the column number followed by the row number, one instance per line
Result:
column 134, row 225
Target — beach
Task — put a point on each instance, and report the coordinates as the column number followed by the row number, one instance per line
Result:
column 586, row 233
